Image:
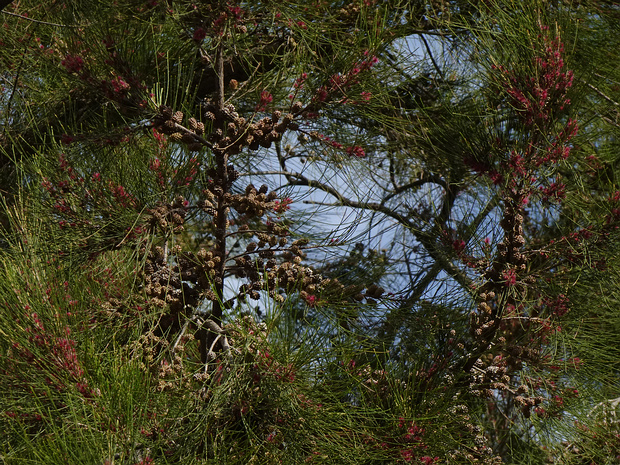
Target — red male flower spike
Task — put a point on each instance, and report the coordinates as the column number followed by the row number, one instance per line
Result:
column 265, row 99
column 282, row 206
column 510, row 277
column 72, row 63
column 199, row 34
column 356, row 151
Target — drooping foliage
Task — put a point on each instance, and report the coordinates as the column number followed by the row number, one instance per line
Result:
column 321, row 232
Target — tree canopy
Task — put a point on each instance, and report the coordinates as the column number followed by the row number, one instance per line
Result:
column 365, row 232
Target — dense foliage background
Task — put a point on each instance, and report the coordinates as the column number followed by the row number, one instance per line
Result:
column 367, row 232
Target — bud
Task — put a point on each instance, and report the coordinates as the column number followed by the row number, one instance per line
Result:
column 233, row 84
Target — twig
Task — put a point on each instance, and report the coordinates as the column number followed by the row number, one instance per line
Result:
column 219, row 71
column 424, row 179
column 183, row 330
column 595, row 89
column 35, row 20
column 430, row 54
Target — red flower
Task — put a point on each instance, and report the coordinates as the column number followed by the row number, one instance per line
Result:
column 282, row 206
column 199, row 34
column 119, row 85
column 458, row 245
column 66, row 139
column 321, row 95
column 356, row 151
column 265, row 99
column 510, row 277
column 73, row 64
column 426, row 460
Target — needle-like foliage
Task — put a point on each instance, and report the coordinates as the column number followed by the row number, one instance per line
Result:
column 360, row 232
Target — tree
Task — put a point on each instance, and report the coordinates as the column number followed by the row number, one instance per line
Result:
column 176, row 292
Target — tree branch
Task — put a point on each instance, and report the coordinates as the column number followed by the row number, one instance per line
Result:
column 425, row 238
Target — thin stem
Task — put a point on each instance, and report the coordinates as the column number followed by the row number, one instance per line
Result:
column 219, row 71
column 430, row 54
column 35, row 20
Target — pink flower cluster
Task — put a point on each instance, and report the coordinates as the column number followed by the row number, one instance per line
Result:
column 119, row 85
column 538, row 96
column 71, row 186
column 268, row 367
column 199, row 34
column 354, row 150
column 510, row 277
column 299, row 82
column 555, row 190
column 340, row 82
column 265, row 99
column 281, row 206
column 233, row 12
column 56, row 356
column 310, row 300
column 121, row 196
column 559, row 306
column 559, row 148
column 72, row 63
column 414, row 441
